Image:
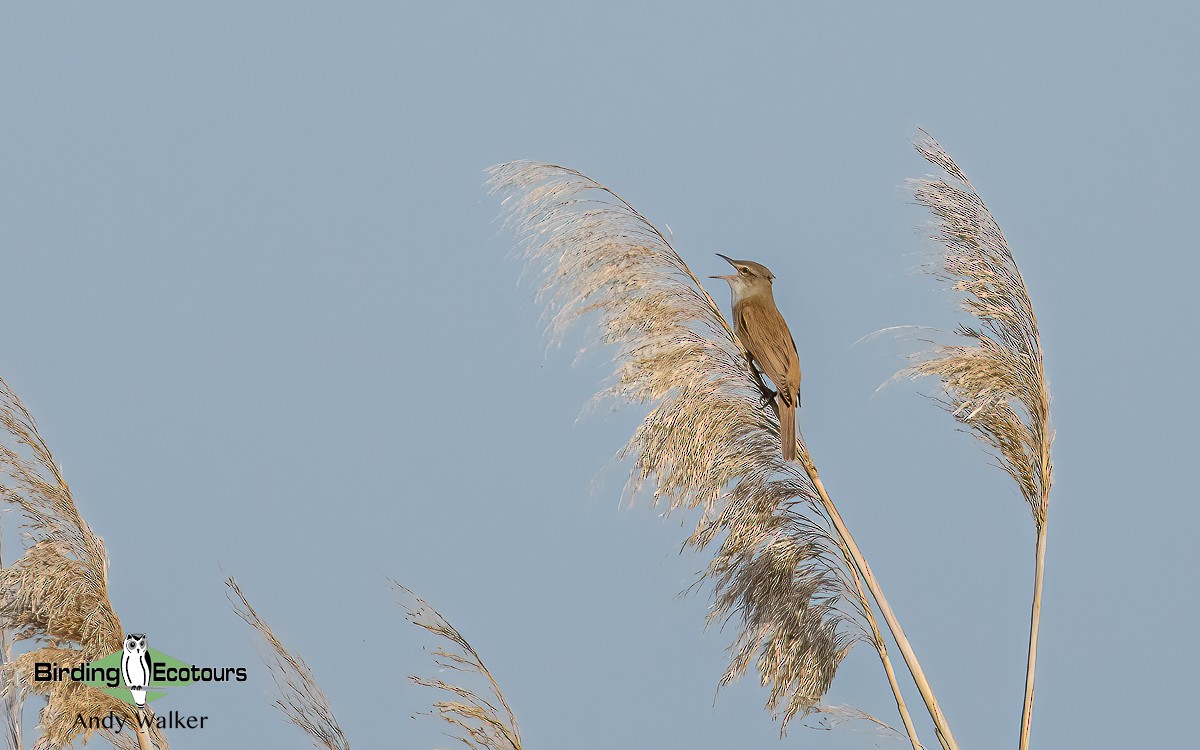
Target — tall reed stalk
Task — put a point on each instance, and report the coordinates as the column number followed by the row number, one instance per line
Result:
column 854, row 554
column 56, row 593
column 996, row 384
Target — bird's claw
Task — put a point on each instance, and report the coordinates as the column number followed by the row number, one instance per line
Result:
column 768, row 396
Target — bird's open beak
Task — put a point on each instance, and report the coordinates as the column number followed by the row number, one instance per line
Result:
column 730, row 261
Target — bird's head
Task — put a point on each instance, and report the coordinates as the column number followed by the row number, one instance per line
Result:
column 751, row 278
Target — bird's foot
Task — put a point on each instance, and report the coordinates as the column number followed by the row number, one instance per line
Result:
column 767, row 396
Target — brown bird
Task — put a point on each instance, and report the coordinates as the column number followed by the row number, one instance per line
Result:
column 765, row 335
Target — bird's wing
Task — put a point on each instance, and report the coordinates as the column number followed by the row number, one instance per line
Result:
column 765, row 333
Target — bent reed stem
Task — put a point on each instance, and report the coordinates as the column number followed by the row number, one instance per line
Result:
column 855, row 562
column 881, row 649
column 945, row 737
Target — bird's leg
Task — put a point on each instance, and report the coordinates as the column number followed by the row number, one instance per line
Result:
column 768, row 395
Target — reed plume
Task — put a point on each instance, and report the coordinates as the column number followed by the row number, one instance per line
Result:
column 298, row 695
column 707, row 442
column 56, row 593
column 995, row 385
column 481, row 720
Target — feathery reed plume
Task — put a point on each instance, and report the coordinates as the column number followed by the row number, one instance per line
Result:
column 56, row 593
column 299, row 697
column 481, row 720
column 707, row 442
column 996, row 386
column 777, row 577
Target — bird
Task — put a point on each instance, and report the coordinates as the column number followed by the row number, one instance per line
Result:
column 767, row 340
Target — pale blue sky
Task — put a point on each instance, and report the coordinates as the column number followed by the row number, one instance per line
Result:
column 256, row 295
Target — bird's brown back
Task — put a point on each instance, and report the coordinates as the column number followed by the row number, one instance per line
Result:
column 762, row 330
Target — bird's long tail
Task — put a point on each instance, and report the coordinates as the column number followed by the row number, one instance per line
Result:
column 787, row 427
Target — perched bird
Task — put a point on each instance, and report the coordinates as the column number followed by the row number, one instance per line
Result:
column 765, row 335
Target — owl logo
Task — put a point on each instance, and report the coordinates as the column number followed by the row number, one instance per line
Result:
column 135, row 667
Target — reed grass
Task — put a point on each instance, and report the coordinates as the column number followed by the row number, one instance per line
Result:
column 780, row 572
column 298, row 696
column 479, row 719
column 994, row 385
column 56, row 594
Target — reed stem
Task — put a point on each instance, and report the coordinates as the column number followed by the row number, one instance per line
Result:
column 945, row 737
column 143, row 736
column 881, row 649
column 1035, row 618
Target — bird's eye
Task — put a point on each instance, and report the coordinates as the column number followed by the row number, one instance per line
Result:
column 744, row 271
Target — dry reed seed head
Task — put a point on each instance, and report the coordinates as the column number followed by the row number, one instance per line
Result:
column 48, row 595
column 776, row 573
column 297, row 694
column 707, row 442
column 481, row 719
column 58, row 588
column 996, row 386
column 57, row 591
